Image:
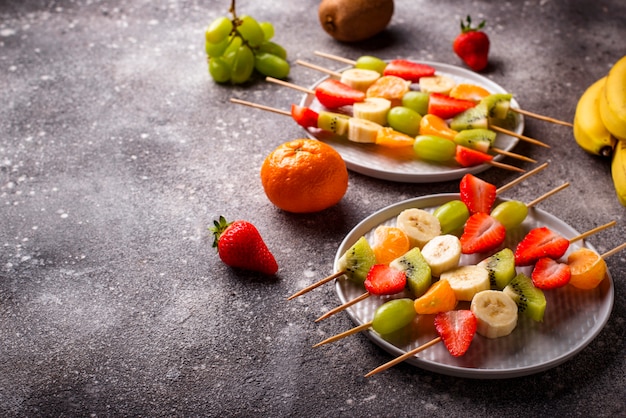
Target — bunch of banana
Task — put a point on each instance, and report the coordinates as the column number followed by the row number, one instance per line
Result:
column 600, row 123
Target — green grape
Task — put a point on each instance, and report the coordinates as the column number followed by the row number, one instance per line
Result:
column 510, row 213
column 271, row 65
column 416, row 100
column 216, row 50
column 368, row 62
column 243, row 65
column 218, row 30
column 268, row 30
column 452, row 216
column 232, row 48
column 219, row 69
column 434, row 148
column 273, row 48
column 393, row 315
column 404, row 119
column 251, row 31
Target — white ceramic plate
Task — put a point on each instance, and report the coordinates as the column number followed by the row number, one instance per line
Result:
column 573, row 317
column 377, row 162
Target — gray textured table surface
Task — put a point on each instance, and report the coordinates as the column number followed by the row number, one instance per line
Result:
column 117, row 151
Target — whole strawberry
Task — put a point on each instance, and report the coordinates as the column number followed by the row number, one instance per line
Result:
column 240, row 245
column 472, row 45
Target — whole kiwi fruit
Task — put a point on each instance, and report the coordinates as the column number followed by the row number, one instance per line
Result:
column 354, row 20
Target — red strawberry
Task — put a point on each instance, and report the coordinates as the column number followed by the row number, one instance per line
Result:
column 540, row 242
column 333, row 93
column 472, row 45
column 304, row 116
column 477, row 194
column 239, row 244
column 384, row 280
column 456, row 329
column 408, row 70
column 468, row 157
column 550, row 274
column 482, row 233
column 446, row 106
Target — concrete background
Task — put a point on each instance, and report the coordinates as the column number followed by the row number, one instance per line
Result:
column 117, row 151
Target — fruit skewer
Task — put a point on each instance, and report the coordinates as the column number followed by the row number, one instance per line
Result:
column 498, row 191
column 520, row 111
column 354, row 99
column 482, row 160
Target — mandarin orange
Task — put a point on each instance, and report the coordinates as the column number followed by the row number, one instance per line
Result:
column 587, row 267
column 304, row 176
column 389, row 243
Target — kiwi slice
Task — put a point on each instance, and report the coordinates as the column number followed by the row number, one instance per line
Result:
column 417, row 270
column 478, row 139
column 333, row 122
column 475, row 117
column 501, row 268
column 497, row 104
column 357, row 261
column 530, row 300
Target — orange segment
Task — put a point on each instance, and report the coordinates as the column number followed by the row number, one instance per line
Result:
column 438, row 298
column 389, row 87
column 467, row 91
column 434, row 125
column 388, row 137
column 389, row 243
column 588, row 269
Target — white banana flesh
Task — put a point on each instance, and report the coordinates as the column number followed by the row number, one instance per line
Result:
column 613, row 101
column 359, row 78
column 618, row 171
column 419, row 225
column 363, row 131
column 589, row 130
column 467, row 281
column 496, row 313
column 374, row 109
column 437, row 84
column 442, row 253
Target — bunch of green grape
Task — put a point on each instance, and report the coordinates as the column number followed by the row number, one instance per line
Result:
column 238, row 46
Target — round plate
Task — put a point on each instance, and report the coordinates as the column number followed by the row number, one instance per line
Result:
column 573, row 317
column 402, row 166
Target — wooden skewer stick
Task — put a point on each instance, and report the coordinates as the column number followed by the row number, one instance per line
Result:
column 548, row 194
column 614, row 250
column 404, row 356
column 344, row 306
column 513, row 155
column 316, row 284
column 344, row 334
column 520, row 111
column 521, row 178
column 592, row 231
column 319, row 68
column 259, row 106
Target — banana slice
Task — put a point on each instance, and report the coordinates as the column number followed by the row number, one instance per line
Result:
column 374, row 109
column 359, row 78
column 362, row 130
column 496, row 313
column 419, row 225
column 467, row 281
column 442, row 253
column 437, row 84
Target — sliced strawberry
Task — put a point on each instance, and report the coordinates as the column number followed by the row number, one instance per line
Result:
column 456, row 329
column 384, row 280
column 447, row 107
column 408, row 70
column 550, row 274
column 468, row 157
column 304, row 116
column 333, row 93
column 482, row 233
column 540, row 242
column 477, row 194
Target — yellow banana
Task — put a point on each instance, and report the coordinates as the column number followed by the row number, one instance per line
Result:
column 589, row 130
column 618, row 171
column 613, row 101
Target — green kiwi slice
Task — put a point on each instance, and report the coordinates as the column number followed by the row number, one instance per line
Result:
column 530, row 300
column 417, row 270
column 357, row 261
column 501, row 268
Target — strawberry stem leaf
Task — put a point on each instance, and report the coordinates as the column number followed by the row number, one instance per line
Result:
column 467, row 25
column 219, row 226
